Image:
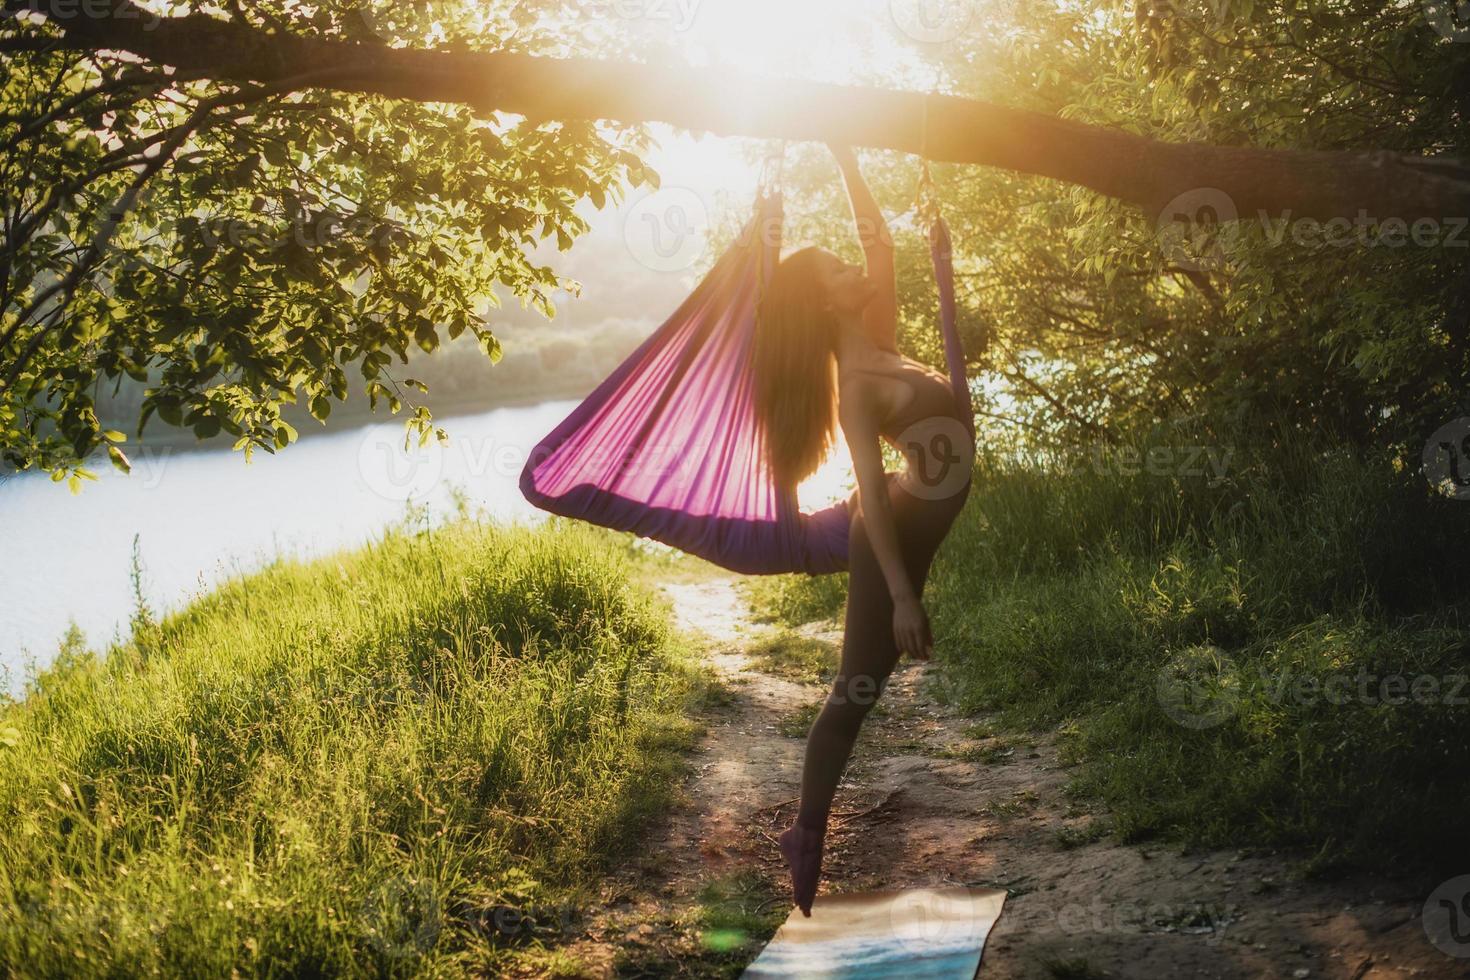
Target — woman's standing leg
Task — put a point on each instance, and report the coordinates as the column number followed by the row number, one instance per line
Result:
column 869, row 653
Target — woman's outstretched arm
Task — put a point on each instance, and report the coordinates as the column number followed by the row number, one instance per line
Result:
column 880, row 317
column 858, row 409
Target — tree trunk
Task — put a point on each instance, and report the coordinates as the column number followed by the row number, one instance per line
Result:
column 1164, row 179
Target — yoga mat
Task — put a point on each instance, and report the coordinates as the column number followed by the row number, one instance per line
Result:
column 919, row 933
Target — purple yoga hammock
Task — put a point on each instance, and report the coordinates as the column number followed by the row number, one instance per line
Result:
column 668, row 445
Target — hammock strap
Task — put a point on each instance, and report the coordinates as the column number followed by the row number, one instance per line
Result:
column 941, row 252
column 924, row 128
column 928, row 212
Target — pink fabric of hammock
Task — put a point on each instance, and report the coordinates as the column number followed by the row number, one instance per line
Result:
column 668, row 446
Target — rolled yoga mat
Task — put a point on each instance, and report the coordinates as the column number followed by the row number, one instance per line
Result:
column 917, row 934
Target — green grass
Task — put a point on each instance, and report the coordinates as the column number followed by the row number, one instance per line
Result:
column 797, row 723
column 996, row 751
column 342, row 767
column 797, row 657
column 795, row 599
column 1019, row 803
column 1182, row 634
column 735, row 914
column 1070, row 838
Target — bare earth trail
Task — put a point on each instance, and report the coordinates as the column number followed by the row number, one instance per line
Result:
column 925, row 801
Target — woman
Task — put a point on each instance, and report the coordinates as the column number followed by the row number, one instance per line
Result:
column 826, row 352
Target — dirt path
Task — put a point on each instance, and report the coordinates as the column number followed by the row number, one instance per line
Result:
column 930, row 798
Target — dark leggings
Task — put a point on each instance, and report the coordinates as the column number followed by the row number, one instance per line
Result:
column 869, row 652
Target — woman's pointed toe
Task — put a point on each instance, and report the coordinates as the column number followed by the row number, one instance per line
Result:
column 802, row 848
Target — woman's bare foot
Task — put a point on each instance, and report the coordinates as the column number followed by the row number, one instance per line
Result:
column 802, row 847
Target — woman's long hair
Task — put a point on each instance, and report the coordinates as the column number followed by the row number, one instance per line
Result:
column 795, row 365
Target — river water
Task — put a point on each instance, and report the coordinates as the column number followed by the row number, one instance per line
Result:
column 202, row 515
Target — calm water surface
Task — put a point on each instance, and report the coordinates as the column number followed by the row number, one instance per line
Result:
column 201, row 516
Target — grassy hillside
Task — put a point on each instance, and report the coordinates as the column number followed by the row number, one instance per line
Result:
column 1274, row 651
column 409, row 759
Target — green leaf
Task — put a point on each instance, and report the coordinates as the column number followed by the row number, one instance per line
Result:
column 119, row 459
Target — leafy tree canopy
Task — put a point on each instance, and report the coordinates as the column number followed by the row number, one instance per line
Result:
column 249, row 246
column 256, row 239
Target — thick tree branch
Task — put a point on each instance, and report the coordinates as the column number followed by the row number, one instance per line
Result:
column 1142, row 171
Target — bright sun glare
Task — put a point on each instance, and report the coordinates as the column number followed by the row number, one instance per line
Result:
column 862, row 42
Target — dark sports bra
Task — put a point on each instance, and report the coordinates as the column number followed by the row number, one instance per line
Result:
column 938, row 449
column 933, row 395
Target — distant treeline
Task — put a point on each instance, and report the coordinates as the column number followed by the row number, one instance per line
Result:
column 540, row 363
